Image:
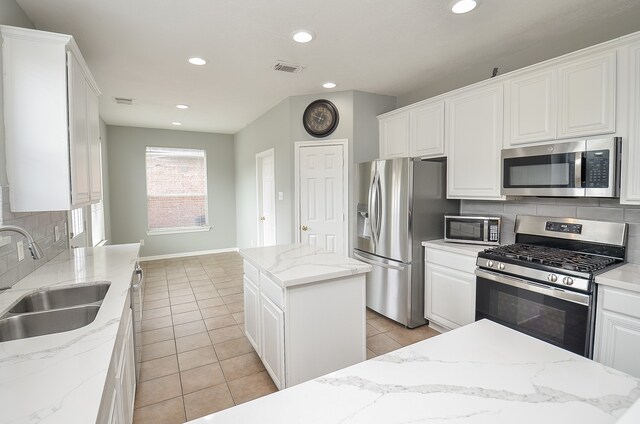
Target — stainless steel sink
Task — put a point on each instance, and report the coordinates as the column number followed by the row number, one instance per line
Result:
column 53, row 311
column 61, row 298
column 48, row 322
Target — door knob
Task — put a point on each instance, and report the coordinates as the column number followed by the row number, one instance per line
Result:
column 262, row 218
column 304, row 228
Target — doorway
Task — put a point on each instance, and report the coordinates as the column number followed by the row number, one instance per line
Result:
column 321, row 186
column 266, row 192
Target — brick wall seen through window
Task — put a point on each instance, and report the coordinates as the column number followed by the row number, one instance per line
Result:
column 176, row 188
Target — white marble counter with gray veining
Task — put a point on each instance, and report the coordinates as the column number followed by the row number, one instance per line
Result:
column 625, row 277
column 480, row 373
column 294, row 264
column 459, row 248
column 59, row 378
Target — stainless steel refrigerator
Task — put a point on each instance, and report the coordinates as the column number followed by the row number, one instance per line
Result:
column 400, row 204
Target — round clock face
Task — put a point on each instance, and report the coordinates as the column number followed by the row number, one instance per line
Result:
column 320, row 118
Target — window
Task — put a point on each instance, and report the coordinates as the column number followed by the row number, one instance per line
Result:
column 176, row 190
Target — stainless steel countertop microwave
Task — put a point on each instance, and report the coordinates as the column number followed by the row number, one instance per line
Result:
column 472, row 229
column 585, row 168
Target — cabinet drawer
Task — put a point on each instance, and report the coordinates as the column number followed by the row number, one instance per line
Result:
column 251, row 272
column 456, row 261
column 273, row 291
column 621, row 301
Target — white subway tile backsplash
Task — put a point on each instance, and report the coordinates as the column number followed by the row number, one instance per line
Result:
column 556, row 211
column 40, row 225
column 631, row 215
column 520, row 208
column 602, row 214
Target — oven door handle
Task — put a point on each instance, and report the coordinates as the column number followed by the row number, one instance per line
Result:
column 581, row 299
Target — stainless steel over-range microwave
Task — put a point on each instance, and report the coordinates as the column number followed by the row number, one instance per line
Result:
column 472, row 229
column 585, row 168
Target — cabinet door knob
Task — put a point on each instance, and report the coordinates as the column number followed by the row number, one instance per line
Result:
column 304, row 228
column 262, row 218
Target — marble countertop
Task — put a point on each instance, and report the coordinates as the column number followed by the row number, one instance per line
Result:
column 461, row 248
column 59, row 378
column 625, row 277
column 294, row 264
column 479, row 373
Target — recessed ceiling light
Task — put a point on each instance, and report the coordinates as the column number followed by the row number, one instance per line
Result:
column 197, row 61
column 303, row 36
column 176, row 123
column 182, row 106
column 463, row 6
column 329, row 84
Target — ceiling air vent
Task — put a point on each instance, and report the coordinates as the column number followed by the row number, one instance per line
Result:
column 123, row 101
column 292, row 68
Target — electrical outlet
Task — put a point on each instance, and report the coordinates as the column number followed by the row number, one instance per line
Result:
column 141, row 242
column 20, row 246
column 280, row 195
column 56, row 233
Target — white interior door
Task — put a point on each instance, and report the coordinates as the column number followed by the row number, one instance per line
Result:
column 266, row 187
column 322, row 183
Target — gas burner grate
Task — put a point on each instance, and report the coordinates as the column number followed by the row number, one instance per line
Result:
column 552, row 257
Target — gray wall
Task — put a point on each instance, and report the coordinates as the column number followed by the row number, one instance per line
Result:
column 598, row 209
column 126, row 168
column 280, row 128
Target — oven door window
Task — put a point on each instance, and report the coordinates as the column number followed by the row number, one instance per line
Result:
column 556, row 321
column 546, row 171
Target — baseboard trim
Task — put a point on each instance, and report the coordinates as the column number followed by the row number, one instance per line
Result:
column 186, row 254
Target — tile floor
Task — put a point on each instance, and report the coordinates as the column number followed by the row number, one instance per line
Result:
column 195, row 357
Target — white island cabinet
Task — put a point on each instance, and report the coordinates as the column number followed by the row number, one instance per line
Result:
column 304, row 310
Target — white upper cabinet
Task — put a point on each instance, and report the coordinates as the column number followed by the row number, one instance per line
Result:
column 474, row 140
column 530, row 109
column 417, row 131
column 394, row 135
column 51, row 122
column 426, row 135
column 631, row 157
column 587, row 96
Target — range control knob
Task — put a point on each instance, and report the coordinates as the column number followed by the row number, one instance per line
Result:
column 490, row 263
column 501, row 266
column 552, row 277
column 567, row 280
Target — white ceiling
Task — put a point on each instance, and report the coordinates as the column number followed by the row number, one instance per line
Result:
column 139, row 48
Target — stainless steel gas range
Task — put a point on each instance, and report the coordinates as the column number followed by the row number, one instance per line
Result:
column 544, row 284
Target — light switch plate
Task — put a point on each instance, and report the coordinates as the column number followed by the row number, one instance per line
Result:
column 20, row 246
column 56, row 233
column 280, row 195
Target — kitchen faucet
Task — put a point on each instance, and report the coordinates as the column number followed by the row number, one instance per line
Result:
column 36, row 252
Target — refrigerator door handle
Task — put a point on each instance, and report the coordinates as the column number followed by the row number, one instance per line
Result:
column 373, row 208
column 372, row 262
column 378, row 206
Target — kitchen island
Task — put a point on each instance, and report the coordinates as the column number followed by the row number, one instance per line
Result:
column 63, row 377
column 304, row 310
column 480, row 373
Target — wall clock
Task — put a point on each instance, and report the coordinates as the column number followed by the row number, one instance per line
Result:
column 320, row 118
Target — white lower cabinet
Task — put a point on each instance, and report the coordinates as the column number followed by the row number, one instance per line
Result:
column 251, row 311
column 617, row 338
column 272, row 338
column 119, row 395
column 304, row 331
column 450, row 287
